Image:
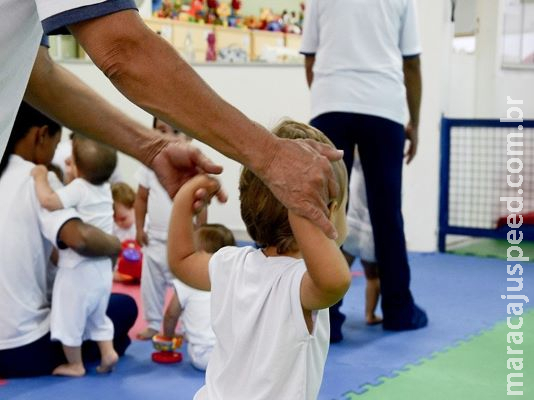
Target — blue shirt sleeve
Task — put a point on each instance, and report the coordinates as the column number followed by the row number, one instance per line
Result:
column 45, row 42
column 57, row 24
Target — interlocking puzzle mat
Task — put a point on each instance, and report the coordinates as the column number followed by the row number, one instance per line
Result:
column 495, row 248
column 461, row 295
column 474, row 369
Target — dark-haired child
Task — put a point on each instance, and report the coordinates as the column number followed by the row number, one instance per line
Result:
column 193, row 305
column 83, row 285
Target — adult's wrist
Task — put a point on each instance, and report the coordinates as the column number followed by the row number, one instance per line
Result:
column 263, row 154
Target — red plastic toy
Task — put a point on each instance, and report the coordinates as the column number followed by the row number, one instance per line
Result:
column 166, row 347
column 130, row 260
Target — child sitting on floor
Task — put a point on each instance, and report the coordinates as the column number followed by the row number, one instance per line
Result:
column 193, row 305
column 83, row 285
column 360, row 240
column 123, row 211
column 269, row 305
column 126, row 270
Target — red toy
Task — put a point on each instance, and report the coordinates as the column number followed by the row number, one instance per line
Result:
column 166, row 347
column 211, row 54
column 130, row 260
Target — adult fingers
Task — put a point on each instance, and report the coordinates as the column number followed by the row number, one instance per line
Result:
column 325, row 150
column 319, row 218
column 203, row 163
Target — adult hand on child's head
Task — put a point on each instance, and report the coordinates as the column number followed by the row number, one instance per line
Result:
column 39, row 170
column 177, row 162
column 300, row 175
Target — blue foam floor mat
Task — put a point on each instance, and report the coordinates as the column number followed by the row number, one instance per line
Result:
column 461, row 295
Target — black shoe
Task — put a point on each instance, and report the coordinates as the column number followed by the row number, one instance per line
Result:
column 335, row 328
column 418, row 320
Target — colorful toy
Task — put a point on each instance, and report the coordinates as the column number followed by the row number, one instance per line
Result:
column 224, row 11
column 165, row 349
column 130, row 260
column 195, row 8
column 211, row 53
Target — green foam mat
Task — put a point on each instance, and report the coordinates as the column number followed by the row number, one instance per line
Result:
column 495, row 248
column 473, row 370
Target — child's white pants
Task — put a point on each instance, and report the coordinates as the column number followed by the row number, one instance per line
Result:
column 80, row 299
column 155, row 279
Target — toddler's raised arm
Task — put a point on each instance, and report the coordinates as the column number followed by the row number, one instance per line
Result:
column 186, row 263
column 328, row 276
column 45, row 194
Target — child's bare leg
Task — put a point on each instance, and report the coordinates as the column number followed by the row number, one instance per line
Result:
column 146, row 334
column 74, row 366
column 349, row 257
column 108, row 357
column 372, row 292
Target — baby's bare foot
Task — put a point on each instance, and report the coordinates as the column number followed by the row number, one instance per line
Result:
column 107, row 363
column 73, row 370
column 146, row 334
column 373, row 320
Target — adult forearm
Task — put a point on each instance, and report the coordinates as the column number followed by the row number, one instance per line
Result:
column 414, row 88
column 150, row 72
column 309, row 61
column 88, row 240
column 60, row 94
column 140, row 207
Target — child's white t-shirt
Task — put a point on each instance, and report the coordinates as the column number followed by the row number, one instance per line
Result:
column 263, row 349
column 159, row 205
column 196, row 315
column 94, row 204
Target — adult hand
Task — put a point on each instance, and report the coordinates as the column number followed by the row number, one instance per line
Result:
column 141, row 237
column 177, row 162
column 301, row 177
column 412, row 135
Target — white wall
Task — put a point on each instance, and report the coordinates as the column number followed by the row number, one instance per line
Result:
column 420, row 187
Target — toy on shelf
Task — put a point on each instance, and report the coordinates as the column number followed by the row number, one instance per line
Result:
column 211, row 16
column 170, row 9
column 130, row 261
column 224, row 11
column 196, row 10
column 166, row 349
column 211, row 53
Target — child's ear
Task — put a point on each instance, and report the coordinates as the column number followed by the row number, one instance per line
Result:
column 332, row 208
column 40, row 133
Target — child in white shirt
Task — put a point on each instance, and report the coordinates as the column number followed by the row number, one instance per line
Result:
column 193, row 305
column 269, row 305
column 360, row 242
column 153, row 205
column 83, row 285
column 123, row 211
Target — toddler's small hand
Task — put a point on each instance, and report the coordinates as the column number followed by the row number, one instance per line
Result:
column 202, row 188
column 39, row 170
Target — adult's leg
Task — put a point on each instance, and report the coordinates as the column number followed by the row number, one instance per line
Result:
column 336, row 126
column 34, row 359
column 381, row 146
